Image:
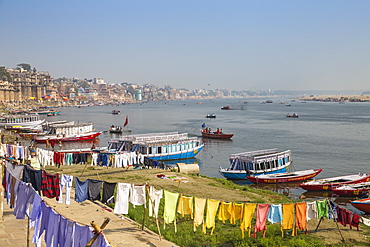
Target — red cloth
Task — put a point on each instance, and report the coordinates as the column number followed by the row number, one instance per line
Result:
column 262, row 212
column 50, row 186
column 355, row 221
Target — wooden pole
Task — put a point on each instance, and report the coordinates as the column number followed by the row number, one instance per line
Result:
column 28, row 231
column 98, row 230
column 155, row 215
column 332, row 211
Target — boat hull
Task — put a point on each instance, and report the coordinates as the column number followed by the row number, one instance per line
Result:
column 217, row 135
column 188, row 154
column 362, row 204
column 317, row 185
column 243, row 175
column 285, row 179
column 84, row 137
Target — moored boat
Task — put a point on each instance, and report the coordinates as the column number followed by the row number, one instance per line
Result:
column 285, row 177
column 358, row 189
column 67, row 132
column 330, row 183
column 257, row 162
column 24, row 120
column 362, row 204
column 157, row 146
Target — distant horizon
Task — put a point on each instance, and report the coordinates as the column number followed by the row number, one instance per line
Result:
column 239, row 45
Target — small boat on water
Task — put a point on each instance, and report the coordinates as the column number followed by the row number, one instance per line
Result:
column 67, row 132
column 217, row 135
column 211, row 116
column 330, row 183
column 157, row 146
column 115, row 129
column 116, row 112
column 48, row 113
column 257, row 162
column 294, row 115
column 226, row 107
column 359, row 189
column 285, row 177
column 362, row 204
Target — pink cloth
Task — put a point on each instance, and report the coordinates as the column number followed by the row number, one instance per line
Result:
column 262, row 212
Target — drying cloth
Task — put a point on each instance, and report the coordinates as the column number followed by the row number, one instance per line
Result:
column 288, row 218
column 138, row 195
column 50, row 185
column 212, row 206
column 322, row 209
column 94, row 187
column 199, row 205
column 185, row 206
column 170, row 202
column 32, row 176
column 236, row 212
column 108, row 192
column 123, row 192
column 355, row 221
column 332, row 210
column 65, row 182
column 262, row 212
column 15, row 170
column 155, row 197
column 275, row 214
column 301, row 217
column 224, row 213
column 81, row 193
column 248, row 213
column 311, row 210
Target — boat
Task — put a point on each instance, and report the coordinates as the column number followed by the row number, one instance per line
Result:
column 257, row 162
column 211, row 116
column 294, row 115
column 330, row 183
column 67, row 132
column 115, row 129
column 362, row 204
column 24, row 120
column 157, row 146
column 285, row 177
column 226, row 107
column 216, row 135
column 269, row 101
column 48, row 113
column 116, row 112
column 359, row 189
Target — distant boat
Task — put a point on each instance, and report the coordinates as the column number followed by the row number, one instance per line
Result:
column 211, row 116
column 226, row 107
column 116, row 112
column 288, row 105
column 293, row 116
column 215, row 135
column 269, row 101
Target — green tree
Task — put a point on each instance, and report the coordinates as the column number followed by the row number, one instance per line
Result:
column 25, row 66
column 5, row 75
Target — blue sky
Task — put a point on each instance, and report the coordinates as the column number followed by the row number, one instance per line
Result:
column 235, row 45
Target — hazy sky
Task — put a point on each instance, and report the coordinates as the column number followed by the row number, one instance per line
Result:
column 236, row 45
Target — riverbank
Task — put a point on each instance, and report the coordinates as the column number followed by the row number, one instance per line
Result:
column 337, row 98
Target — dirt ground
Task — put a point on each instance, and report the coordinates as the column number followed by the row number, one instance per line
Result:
column 204, row 187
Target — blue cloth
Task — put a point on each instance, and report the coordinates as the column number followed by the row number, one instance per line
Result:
column 81, row 190
column 275, row 214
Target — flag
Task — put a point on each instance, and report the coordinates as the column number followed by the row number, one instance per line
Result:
column 126, row 122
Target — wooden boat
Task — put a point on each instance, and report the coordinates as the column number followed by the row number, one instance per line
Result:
column 359, row 189
column 48, row 113
column 24, row 120
column 293, row 116
column 362, row 204
column 115, row 129
column 226, row 107
column 116, row 112
column 157, row 146
column 285, row 177
column 330, row 183
column 211, row 116
column 257, row 162
column 215, row 135
column 67, row 132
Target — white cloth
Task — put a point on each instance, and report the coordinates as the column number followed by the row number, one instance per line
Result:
column 311, row 210
column 155, row 197
column 65, row 182
column 123, row 192
column 137, row 195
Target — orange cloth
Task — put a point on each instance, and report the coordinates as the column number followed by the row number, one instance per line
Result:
column 262, row 212
column 288, row 218
column 236, row 212
column 199, row 205
column 185, row 206
column 301, row 216
column 224, row 213
column 246, row 223
column 212, row 207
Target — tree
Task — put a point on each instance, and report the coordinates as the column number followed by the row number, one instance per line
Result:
column 5, row 75
column 25, row 66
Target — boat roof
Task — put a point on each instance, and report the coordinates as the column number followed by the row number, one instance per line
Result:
column 155, row 138
column 63, row 124
column 262, row 155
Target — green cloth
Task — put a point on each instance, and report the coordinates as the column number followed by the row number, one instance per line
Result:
column 170, row 205
column 322, row 209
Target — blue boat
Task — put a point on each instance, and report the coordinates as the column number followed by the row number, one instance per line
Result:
column 256, row 163
column 157, row 146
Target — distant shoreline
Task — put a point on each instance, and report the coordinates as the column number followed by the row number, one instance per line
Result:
column 337, row 98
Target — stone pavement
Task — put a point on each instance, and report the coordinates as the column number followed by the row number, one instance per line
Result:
column 120, row 231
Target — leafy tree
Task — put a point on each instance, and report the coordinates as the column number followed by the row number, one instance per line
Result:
column 5, row 75
column 25, row 66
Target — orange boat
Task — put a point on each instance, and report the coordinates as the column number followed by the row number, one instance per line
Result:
column 362, row 204
column 285, row 177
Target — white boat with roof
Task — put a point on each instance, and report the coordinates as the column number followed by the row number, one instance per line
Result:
column 259, row 162
column 24, row 120
column 157, row 146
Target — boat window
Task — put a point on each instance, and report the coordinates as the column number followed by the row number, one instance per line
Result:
column 164, row 149
column 135, row 148
column 280, row 162
column 159, row 150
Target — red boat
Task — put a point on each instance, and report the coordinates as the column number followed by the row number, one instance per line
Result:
column 333, row 182
column 359, row 189
column 362, row 204
column 80, row 137
column 216, row 135
column 285, row 177
column 226, row 108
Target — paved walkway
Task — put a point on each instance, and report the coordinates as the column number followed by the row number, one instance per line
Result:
column 120, row 231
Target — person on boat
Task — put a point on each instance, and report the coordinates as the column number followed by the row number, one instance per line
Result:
column 205, row 130
column 203, row 125
column 218, row 131
column 52, row 143
column 209, row 130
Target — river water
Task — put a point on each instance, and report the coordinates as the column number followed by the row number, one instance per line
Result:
column 327, row 135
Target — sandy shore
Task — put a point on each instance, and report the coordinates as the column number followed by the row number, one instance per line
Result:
column 335, row 98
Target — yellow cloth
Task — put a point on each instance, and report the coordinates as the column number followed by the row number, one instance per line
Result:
column 288, row 218
column 170, row 202
column 34, row 162
column 111, row 160
column 185, row 206
column 236, row 212
column 224, row 213
column 212, row 206
column 199, row 205
column 248, row 213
